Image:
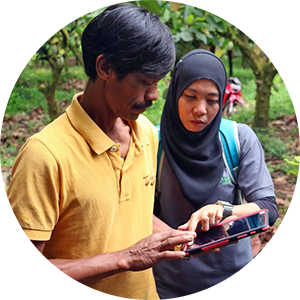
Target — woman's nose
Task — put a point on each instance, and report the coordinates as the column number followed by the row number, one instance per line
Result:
column 200, row 108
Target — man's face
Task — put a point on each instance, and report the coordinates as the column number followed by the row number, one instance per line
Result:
column 130, row 96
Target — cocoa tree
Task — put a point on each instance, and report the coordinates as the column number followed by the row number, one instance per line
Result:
column 55, row 52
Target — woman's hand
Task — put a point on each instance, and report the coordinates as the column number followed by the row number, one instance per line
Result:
column 207, row 215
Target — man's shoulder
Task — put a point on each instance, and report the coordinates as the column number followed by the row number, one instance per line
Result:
column 55, row 136
column 60, row 128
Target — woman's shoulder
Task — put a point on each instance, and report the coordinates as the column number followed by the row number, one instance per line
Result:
column 245, row 132
column 248, row 140
column 244, row 127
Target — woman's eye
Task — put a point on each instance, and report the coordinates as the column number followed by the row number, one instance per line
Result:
column 212, row 101
column 190, row 96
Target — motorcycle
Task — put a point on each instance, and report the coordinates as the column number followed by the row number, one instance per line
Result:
column 233, row 100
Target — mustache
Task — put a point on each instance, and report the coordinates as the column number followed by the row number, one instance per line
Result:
column 142, row 105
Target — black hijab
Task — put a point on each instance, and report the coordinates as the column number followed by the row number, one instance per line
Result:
column 195, row 157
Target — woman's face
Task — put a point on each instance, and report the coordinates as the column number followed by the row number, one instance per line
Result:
column 199, row 104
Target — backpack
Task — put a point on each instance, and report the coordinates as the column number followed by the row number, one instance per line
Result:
column 229, row 139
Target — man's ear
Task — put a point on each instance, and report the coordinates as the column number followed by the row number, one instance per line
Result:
column 103, row 68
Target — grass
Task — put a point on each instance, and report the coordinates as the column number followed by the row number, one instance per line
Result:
column 26, row 96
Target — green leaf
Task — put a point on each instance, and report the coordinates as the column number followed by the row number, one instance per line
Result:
column 190, row 19
column 176, row 38
column 54, row 40
column 152, row 6
column 186, row 36
column 166, row 16
column 297, row 158
column 294, row 172
column 216, row 18
column 202, row 37
column 294, row 163
column 199, row 12
column 188, row 10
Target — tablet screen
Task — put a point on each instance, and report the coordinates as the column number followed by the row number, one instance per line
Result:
column 230, row 228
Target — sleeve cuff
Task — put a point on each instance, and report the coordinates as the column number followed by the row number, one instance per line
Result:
column 36, row 235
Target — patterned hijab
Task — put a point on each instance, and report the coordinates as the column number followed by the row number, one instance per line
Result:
column 195, row 157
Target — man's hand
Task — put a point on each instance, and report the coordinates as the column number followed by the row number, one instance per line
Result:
column 143, row 255
column 156, row 248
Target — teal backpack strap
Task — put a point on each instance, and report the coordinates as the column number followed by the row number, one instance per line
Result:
column 160, row 159
column 231, row 146
column 159, row 146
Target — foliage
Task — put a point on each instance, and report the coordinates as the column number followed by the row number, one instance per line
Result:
column 193, row 28
column 75, row 30
column 26, row 95
column 294, row 165
column 153, row 6
column 56, row 51
column 274, row 146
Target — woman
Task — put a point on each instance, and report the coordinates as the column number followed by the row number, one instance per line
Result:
column 194, row 176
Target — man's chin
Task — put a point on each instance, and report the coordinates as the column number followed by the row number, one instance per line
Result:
column 132, row 117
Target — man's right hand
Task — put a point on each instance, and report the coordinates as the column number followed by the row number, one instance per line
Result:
column 156, row 248
column 143, row 255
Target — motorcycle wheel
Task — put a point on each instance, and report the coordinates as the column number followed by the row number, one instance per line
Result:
column 229, row 110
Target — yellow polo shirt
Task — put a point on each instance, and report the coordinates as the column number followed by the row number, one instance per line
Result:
column 71, row 188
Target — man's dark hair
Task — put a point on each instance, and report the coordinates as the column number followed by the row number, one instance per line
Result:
column 131, row 39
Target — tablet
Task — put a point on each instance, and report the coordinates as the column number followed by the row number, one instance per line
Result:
column 229, row 230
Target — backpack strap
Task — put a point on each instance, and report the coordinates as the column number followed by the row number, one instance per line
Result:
column 159, row 146
column 160, row 162
column 160, row 159
column 231, row 146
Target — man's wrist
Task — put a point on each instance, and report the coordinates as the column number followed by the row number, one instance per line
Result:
column 123, row 261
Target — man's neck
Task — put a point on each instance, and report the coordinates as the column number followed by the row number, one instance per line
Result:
column 95, row 106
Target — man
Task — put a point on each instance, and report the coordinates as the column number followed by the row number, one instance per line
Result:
column 83, row 188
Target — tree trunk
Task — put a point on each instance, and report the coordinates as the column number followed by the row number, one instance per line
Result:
column 76, row 52
column 52, row 97
column 229, row 54
column 264, row 82
column 49, row 91
column 262, row 105
column 263, row 70
column 56, row 58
